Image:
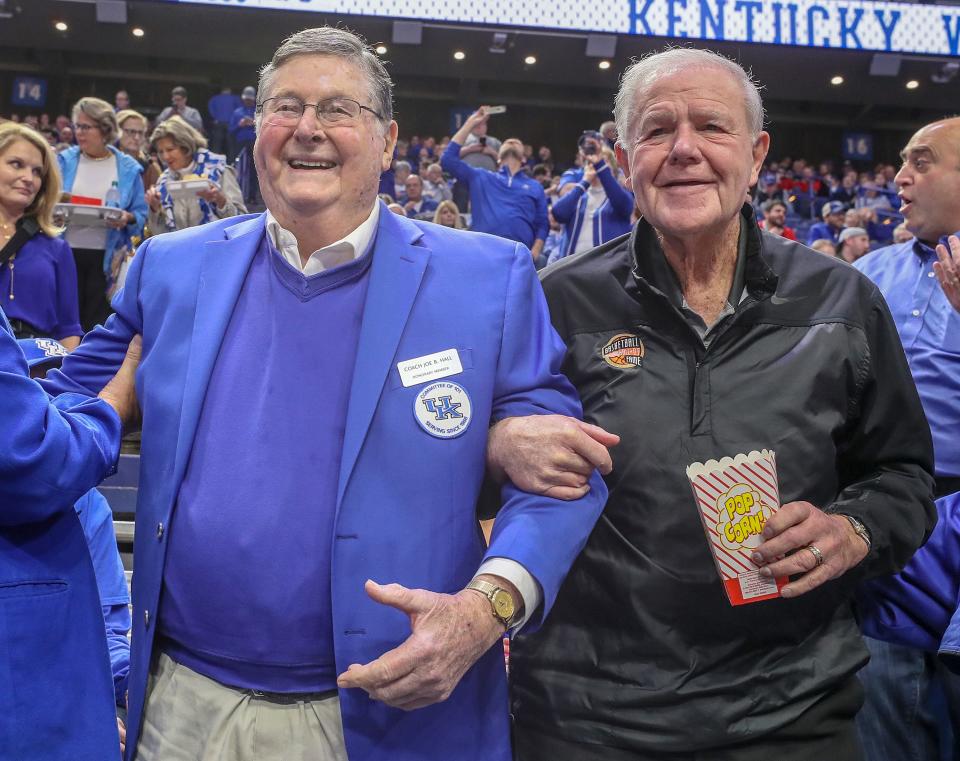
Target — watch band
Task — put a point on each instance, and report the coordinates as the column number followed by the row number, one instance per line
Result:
column 859, row 528
column 489, row 591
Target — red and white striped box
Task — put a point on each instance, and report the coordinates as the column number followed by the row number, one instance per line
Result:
column 736, row 497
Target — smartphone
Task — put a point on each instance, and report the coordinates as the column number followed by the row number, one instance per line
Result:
column 491, row 110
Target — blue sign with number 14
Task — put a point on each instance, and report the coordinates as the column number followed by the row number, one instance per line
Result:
column 29, row 91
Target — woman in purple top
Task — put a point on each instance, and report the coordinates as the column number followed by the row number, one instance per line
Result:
column 38, row 277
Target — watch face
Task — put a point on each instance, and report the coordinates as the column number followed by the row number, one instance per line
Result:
column 503, row 604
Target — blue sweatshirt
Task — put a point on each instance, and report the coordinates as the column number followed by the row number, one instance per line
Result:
column 610, row 221
column 511, row 206
column 246, row 597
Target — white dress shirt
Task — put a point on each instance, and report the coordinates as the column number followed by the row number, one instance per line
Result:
column 354, row 245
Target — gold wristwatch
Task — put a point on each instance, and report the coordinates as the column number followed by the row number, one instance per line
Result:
column 504, row 609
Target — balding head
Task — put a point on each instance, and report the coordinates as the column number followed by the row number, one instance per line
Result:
column 929, row 180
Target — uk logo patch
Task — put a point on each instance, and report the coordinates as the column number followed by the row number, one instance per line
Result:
column 443, row 409
column 624, row 351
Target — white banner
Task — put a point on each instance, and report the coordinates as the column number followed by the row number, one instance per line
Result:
column 852, row 25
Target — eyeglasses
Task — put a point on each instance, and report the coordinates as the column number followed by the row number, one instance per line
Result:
column 286, row 111
column 134, row 132
column 84, row 127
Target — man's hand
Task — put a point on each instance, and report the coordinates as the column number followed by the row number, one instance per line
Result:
column 121, row 392
column 793, row 529
column 948, row 270
column 552, row 455
column 449, row 633
column 590, row 168
column 123, row 736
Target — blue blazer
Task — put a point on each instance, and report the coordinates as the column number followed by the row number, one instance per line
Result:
column 56, row 690
column 406, row 500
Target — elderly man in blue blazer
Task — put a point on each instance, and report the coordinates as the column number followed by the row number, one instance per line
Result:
column 316, row 386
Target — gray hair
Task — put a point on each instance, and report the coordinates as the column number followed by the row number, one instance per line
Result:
column 100, row 113
column 642, row 74
column 340, row 43
column 182, row 134
column 401, row 164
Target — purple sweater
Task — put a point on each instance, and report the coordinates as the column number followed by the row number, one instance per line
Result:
column 246, row 596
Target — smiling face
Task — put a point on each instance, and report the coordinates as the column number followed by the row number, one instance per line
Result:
column 315, row 175
column 929, row 181
column 21, row 175
column 691, row 156
column 172, row 155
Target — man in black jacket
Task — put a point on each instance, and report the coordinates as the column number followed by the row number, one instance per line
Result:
column 696, row 337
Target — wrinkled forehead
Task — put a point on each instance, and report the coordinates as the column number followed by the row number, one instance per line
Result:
column 938, row 139
column 694, row 86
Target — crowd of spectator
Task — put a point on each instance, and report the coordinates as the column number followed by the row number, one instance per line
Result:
column 555, row 202
column 479, row 181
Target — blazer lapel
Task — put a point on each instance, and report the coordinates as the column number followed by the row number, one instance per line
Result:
column 222, row 274
column 395, row 276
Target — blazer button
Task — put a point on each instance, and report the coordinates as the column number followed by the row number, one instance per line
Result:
column 146, row 619
column 160, row 530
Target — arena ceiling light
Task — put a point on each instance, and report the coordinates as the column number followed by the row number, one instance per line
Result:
column 60, row 26
column 381, row 49
column 137, row 32
column 604, row 65
column 836, row 81
column 913, row 84
column 459, row 55
column 530, row 60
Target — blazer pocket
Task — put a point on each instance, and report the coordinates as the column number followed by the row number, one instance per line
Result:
column 13, row 589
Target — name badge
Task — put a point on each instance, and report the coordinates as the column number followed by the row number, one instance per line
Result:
column 429, row 367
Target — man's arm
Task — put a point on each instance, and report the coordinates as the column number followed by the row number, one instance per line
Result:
column 450, row 161
column 541, row 224
column 885, row 464
column 55, row 449
column 92, row 364
column 540, row 534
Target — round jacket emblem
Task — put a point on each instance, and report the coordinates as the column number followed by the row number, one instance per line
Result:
column 443, row 409
column 623, row 351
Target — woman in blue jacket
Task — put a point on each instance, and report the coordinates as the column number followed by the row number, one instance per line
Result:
column 57, row 696
column 90, row 170
column 594, row 207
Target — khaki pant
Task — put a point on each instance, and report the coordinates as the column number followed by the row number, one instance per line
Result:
column 189, row 717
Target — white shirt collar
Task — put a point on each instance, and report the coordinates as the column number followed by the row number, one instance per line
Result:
column 351, row 247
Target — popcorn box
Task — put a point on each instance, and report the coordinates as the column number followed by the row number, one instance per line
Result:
column 736, row 496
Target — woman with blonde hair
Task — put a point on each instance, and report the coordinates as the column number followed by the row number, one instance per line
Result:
column 448, row 215
column 92, row 169
column 38, row 277
column 184, row 152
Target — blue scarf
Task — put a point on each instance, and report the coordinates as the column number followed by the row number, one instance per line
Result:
column 207, row 165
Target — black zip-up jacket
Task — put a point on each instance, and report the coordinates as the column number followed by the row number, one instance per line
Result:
column 642, row 650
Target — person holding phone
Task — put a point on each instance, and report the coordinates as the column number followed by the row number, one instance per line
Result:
column 593, row 206
column 184, row 152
